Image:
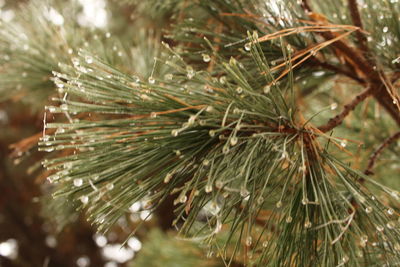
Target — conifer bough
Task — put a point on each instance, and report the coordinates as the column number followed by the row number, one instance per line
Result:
column 234, row 122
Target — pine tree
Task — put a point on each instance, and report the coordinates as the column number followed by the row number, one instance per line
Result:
column 270, row 127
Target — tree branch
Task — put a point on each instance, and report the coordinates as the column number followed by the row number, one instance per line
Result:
column 338, row 119
column 368, row 70
column 378, row 152
column 355, row 15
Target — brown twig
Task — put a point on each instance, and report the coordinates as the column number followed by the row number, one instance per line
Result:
column 355, row 15
column 336, row 69
column 338, row 119
column 378, row 152
column 368, row 70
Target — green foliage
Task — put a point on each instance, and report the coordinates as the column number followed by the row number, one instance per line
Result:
column 223, row 120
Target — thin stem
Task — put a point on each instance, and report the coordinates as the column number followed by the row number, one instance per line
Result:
column 355, row 15
column 378, row 152
column 338, row 119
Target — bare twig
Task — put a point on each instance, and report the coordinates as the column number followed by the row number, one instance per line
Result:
column 355, row 15
column 378, row 152
column 338, row 119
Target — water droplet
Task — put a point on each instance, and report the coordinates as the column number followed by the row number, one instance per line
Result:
column 211, row 133
column 239, row 90
column 153, row 115
column 84, row 199
column 368, row 209
column 234, row 140
column 191, row 120
column 343, row 143
column 190, row 72
column 244, row 192
column 379, row 228
column 249, row 241
column 279, row 204
column 206, row 162
column 304, row 201
column 110, row 186
column 206, row 57
column 247, row 46
column 390, row 211
column 395, row 101
column 108, row 35
column 385, row 29
column 289, row 219
column 391, row 225
column 225, row 149
column 334, row 106
column 78, row 182
column 183, row 199
column 208, row 188
column 175, row 132
column 210, row 109
column 265, row 244
column 89, row 59
column 307, row 224
column 266, row 89
column 345, row 259
column 151, row 80
column 167, row 178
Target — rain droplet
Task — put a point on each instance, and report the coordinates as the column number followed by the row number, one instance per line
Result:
column 368, row 209
column 343, row 143
column 244, row 192
column 266, row 89
column 279, row 204
column 206, row 57
column 211, row 133
column 289, row 219
column 390, row 225
column 247, row 46
column 151, row 80
column 206, row 162
column 175, row 132
column 379, row 228
column 385, row 29
column 334, row 106
column 167, row 178
column 208, row 188
column 239, row 90
column 390, row 211
column 110, row 186
column 190, row 72
column 183, row 199
column 249, row 241
column 307, row 224
column 84, row 199
column 265, row 244
column 234, row 140
column 78, row 182
column 153, row 115
column 89, row 59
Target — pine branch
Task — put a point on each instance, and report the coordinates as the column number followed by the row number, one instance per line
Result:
column 375, row 155
column 338, row 119
column 355, row 15
column 370, row 73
